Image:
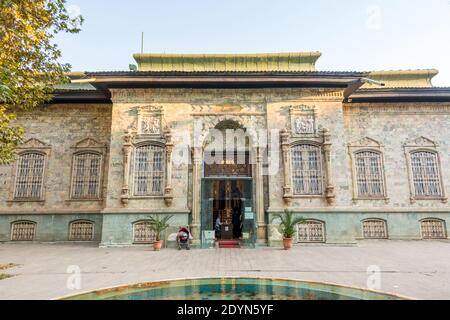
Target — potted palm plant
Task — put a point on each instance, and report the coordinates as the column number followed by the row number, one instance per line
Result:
column 287, row 225
column 159, row 226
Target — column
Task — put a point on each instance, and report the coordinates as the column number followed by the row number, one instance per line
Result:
column 168, row 190
column 259, row 192
column 196, row 193
column 127, row 147
column 286, row 150
column 329, row 191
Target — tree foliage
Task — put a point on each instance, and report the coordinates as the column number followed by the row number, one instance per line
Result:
column 29, row 60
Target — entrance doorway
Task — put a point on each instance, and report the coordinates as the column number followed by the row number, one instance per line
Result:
column 227, row 209
column 227, row 205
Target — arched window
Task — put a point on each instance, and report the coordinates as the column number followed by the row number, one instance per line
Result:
column 81, row 230
column 23, row 231
column 374, row 229
column 143, row 233
column 149, row 170
column 307, row 174
column 369, row 174
column 426, row 174
column 311, row 231
column 29, row 176
column 86, row 175
column 432, row 228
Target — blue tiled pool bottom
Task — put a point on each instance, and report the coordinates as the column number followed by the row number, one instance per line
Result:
column 233, row 289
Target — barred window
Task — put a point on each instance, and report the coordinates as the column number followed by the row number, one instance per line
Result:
column 86, row 176
column 374, row 229
column 307, row 169
column 23, row 231
column 149, row 170
column 369, row 174
column 81, row 230
column 29, row 176
column 311, row 231
column 143, row 233
column 426, row 174
column 433, row 229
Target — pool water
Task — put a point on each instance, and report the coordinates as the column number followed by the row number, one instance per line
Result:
column 233, row 289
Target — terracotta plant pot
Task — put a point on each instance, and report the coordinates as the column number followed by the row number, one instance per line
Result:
column 157, row 245
column 288, row 243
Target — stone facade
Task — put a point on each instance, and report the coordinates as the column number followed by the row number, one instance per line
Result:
column 392, row 126
column 174, row 123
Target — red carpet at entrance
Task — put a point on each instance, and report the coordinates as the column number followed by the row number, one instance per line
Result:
column 229, row 244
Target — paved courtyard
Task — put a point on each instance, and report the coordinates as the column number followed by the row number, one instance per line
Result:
column 417, row 269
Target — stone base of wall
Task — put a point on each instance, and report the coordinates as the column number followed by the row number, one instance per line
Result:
column 346, row 228
column 118, row 228
column 50, row 228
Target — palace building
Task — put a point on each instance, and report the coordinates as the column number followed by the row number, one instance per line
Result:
column 360, row 155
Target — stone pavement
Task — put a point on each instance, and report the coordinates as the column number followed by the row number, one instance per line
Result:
column 418, row 269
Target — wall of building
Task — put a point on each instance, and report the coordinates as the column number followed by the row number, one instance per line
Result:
column 62, row 126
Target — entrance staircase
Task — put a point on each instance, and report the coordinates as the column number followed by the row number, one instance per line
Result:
column 229, row 244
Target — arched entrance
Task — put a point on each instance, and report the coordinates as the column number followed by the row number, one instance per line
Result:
column 227, row 201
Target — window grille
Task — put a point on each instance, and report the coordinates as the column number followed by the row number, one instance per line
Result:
column 374, row 229
column 143, row 233
column 29, row 179
column 426, row 175
column 86, row 176
column 433, row 229
column 81, row 231
column 149, row 170
column 311, row 231
column 307, row 170
column 369, row 174
column 23, row 231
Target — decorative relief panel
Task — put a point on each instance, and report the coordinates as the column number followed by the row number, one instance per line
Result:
column 303, row 120
column 149, row 121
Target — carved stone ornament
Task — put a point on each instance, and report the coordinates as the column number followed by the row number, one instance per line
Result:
column 149, row 121
column 303, row 120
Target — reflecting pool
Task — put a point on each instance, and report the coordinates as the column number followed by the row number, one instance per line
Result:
column 233, row 289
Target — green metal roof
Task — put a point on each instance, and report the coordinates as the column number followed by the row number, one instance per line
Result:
column 266, row 62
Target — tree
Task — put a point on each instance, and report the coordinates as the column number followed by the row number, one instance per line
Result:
column 29, row 61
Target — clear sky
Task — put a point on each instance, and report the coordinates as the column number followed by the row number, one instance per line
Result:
column 352, row 35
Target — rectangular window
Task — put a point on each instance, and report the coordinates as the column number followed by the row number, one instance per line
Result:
column 374, row 229
column 433, row 229
column 149, row 171
column 369, row 174
column 311, row 231
column 143, row 233
column 29, row 179
column 23, row 231
column 86, row 176
column 307, row 170
column 426, row 175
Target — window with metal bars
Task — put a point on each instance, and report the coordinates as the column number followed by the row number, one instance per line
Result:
column 149, row 170
column 426, row 174
column 433, row 229
column 307, row 174
column 81, row 230
column 86, row 175
column 29, row 176
column 369, row 174
column 374, row 229
column 143, row 232
column 311, row 231
column 23, row 231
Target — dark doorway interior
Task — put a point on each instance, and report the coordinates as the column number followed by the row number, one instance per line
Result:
column 227, row 209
